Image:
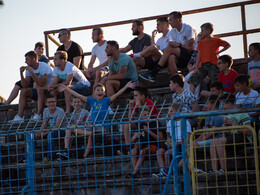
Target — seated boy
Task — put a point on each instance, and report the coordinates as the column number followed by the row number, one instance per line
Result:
column 53, row 117
column 227, row 75
column 254, row 65
column 78, row 117
column 219, row 145
column 99, row 105
column 246, row 97
column 135, row 107
column 164, row 153
column 149, row 136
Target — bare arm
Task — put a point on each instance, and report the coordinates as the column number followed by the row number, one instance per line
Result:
column 92, row 61
column 224, row 48
column 126, row 49
column 76, row 61
column 62, row 87
column 130, row 84
column 39, row 81
column 24, row 81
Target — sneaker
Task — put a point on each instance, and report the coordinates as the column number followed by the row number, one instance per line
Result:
column 125, row 151
column 110, row 111
column 198, row 171
column 160, row 175
column 63, row 155
column 17, row 119
column 148, row 77
column 36, row 117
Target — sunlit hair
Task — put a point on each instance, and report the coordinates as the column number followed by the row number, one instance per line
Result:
column 62, row 55
column 65, row 31
column 139, row 22
column 226, row 59
column 99, row 31
column 179, row 79
column 39, row 44
column 113, row 44
column 31, row 54
column 99, row 85
column 209, row 26
column 176, row 14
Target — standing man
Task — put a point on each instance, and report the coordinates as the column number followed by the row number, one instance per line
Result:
column 74, row 51
column 139, row 43
column 41, row 73
column 181, row 45
column 121, row 69
column 67, row 74
column 98, row 51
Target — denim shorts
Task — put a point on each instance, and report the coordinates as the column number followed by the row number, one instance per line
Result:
column 80, row 88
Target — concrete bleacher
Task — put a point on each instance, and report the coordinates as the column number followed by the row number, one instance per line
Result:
column 100, row 173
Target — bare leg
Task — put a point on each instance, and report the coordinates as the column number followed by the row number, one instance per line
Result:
column 140, row 160
column 139, row 62
column 67, row 101
column 221, row 152
column 167, row 52
column 167, row 157
column 213, row 154
column 99, row 75
column 172, row 60
column 13, row 94
column 160, row 157
column 112, row 86
column 67, row 139
column 40, row 101
column 89, row 146
column 22, row 101
column 134, row 152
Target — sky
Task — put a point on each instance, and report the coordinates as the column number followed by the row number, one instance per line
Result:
column 23, row 22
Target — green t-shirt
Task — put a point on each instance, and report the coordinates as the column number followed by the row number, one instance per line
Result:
column 240, row 119
column 124, row 60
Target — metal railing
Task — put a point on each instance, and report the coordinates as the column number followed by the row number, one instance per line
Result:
column 244, row 31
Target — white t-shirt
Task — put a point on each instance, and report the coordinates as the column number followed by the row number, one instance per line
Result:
column 43, row 69
column 162, row 42
column 100, row 52
column 254, row 72
column 78, row 76
column 178, row 129
column 182, row 37
column 187, row 85
column 248, row 101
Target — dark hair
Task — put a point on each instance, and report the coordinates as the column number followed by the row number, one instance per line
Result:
column 142, row 90
column 99, row 85
column 113, row 44
column 176, row 107
column 178, row 78
column 73, row 97
column 213, row 99
column 65, row 31
column 228, row 98
column 209, row 26
column 31, row 54
column 227, row 59
column 163, row 19
column 139, row 22
column 99, row 31
column 256, row 46
column 49, row 95
column 39, row 44
column 176, row 14
column 218, row 85
column 242, row 78
column 62, row 55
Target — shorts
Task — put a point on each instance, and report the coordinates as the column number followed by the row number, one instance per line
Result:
column 184, row 58
column 153, row 148
column 34, row 95
column 19, row 83
column 206, row 69
column 80, row 88
column 98, row 129
column 123, row 82
column 149, row 63
column 204, row 145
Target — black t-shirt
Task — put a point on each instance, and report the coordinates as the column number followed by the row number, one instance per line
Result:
column 145, row 136
column 138, row 45
column 74, row 51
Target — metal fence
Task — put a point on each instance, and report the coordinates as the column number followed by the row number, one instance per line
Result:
column 24, row 168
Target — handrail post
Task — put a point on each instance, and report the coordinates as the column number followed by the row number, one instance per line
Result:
column 243, row 20
column 30, row 162
column 46, row 45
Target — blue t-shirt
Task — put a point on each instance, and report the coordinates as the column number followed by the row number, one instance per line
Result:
column 124, row 60
column 99, row 110
column 214, row 121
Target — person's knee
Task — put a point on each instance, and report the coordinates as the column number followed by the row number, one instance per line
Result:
column 26, row 92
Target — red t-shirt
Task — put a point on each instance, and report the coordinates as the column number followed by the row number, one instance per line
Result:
column 228, row 80
column 150, row 104
column 208, row 48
